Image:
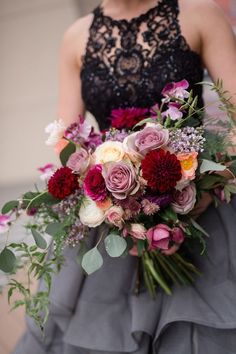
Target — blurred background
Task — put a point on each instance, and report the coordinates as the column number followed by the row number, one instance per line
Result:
column 30, row 37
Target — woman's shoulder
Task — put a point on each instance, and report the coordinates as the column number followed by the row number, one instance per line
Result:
column 76, row 35
column 209, row 9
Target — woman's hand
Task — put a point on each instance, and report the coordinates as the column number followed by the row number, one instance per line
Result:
column 202, row 205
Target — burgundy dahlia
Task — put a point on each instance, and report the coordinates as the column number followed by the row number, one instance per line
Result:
column 161, row 170
column 127, row 117
column 94, row 184
column 63, row 183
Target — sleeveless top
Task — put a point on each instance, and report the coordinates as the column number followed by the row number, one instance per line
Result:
column 127, row 63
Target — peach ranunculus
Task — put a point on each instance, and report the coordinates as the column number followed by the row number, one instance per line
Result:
column 60, row 145
column 110, row 151
column 189, row 164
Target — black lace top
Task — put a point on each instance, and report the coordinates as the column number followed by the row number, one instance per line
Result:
column 127, row 63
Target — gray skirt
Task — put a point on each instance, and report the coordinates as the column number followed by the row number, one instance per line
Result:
column 101, row 314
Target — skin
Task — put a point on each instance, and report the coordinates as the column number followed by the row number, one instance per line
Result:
column 203, row 25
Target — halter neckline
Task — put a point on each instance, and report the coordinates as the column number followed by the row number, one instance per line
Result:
column 136, row 19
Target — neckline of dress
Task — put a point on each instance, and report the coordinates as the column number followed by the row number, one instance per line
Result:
column 136, row 19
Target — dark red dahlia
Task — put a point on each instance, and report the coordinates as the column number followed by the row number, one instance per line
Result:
column 94, row 184
column 127, row 117
column 161, row 170
column 63, row 183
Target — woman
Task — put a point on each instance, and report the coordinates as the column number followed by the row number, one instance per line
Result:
column 122, row 55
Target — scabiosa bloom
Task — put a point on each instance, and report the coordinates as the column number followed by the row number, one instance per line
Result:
column 130, row 206
column 149, row 208
column 63, row 183
column 94, row 184
column 161, row 169
column 127, row 117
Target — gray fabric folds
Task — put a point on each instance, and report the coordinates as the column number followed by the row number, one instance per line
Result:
column 101, row 314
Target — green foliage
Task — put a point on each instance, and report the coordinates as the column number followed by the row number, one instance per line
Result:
column 208, row 165
column 115, row 245
column 92, row 261
column 66, row 152
column 38, row 238
column 9, row 206
column 7, row 260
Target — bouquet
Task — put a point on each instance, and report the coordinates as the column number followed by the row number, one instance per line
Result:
column 140, row 180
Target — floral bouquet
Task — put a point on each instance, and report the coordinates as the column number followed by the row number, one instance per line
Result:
column 142, row 178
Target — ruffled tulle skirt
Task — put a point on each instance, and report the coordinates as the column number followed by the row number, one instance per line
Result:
column 101, row 314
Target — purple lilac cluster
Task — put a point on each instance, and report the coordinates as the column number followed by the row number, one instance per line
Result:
column 76, row 234
column 64, row 207
column 187, row 139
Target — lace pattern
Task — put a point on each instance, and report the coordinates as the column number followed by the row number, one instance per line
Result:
column 128, row 62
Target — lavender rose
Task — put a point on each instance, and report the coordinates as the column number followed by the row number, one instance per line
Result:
column 150, row 138
column 79, row 161
column 121, row 180
column 153, row 136
column 184, row 201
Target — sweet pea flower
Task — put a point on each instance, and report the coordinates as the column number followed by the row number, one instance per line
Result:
column 173, row 111
column 55, row 131
column 47, row 171
column 4, row 223
column 176, row 90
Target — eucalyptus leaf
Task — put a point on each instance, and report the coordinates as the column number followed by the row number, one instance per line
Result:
column 53, row 228
column 7, row 261
column 83, row 249
column 208, row 165
column 39, row 240
column 66, row 152
column 199, row 228
column 9, row 206
column 115, row 245
column 92, row 261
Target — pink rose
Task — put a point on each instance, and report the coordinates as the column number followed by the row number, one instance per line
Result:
column 138, row 231
column 184, row 200
column 121, row 180
column 79, row 161
column 114, row 215
column 159, row 236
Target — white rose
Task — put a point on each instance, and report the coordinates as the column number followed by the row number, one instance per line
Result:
column 110, row 151
column 56, row 131
column 90, row 214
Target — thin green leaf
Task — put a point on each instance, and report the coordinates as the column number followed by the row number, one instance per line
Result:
column 199, row 228
column 9, row 206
